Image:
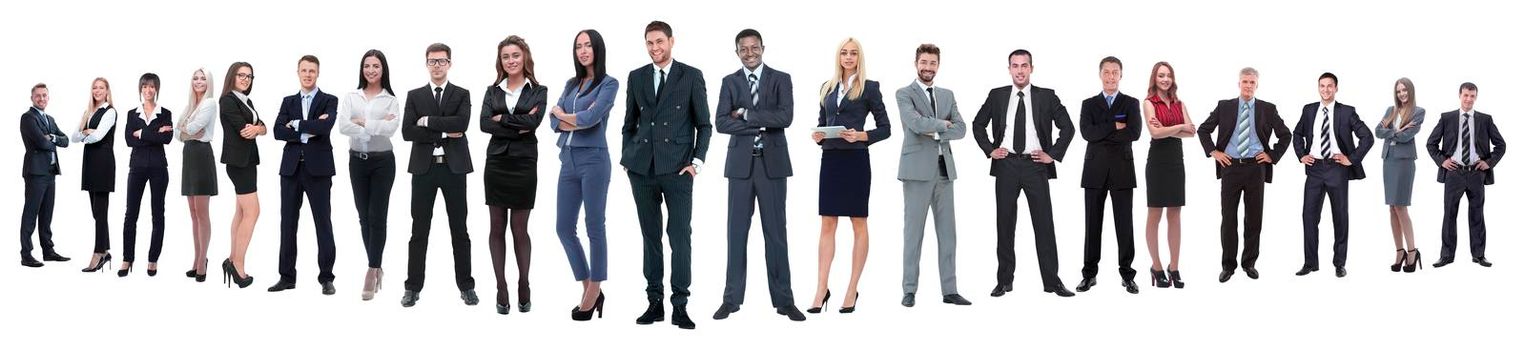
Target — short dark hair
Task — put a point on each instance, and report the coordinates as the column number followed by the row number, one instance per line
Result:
column 1468, row 86
column 928, row 49
column 1332, row 78
column 659, row 26
column 39, row 86
column 749, row 32
column 1110, row 59
column 309, row 58
column 437, row 47
column 1020, row 52
column 149, row 79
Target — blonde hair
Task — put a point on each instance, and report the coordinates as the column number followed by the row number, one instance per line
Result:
column 859, row 74
column 90, row 110
column 195, row 101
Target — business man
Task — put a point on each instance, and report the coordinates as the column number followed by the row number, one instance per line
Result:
column 666, row 133
column 435, row 119
column 756, row 104
column 39, row 168
column 1323, row 141
column 1243, row 157
column 1110, row 123
column 1025, row 168
column 307, row 167
column 931, row 119
column 1461, row 145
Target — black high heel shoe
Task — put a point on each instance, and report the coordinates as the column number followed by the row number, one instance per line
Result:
column 824, row 298
column 1413, row 264
column 598, row 306
column 1400, row 262
column 200, row 277
column 100, row 265
column 153, row 271
column 231, row 277
column 850, row 309
column 125, row 272
column 1158, row 279
column 1176, row 278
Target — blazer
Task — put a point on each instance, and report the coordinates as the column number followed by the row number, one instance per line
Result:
column 41, row 152
column 317, row 155
column 854, row 114
column 1345, row 123
column 663, row 134
column 507, row 138
column 148, row 151
column 1443, row 142
column 1109, row 151
column 233, row 115
column 766, row 119
column 920, row 151
column 1222, row 120
column 592, row 110
column 451, row 114
column 1401, row 143
column 1048, row 114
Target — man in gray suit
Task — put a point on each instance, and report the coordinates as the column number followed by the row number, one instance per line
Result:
column 931, row 118
column 755, row 106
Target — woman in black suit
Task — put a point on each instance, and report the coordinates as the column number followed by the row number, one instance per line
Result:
column 511, row 110
column 97, row 130
column 847, row 100
column 241, row 124
column 149, row 128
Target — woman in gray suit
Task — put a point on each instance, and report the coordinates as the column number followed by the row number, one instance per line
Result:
column 1399, row 126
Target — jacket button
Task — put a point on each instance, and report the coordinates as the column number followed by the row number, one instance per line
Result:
column 664, row 123
column 664, row 140
column 653, row 123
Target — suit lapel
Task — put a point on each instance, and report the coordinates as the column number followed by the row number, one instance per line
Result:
column 1001, row 117
column 674, row 75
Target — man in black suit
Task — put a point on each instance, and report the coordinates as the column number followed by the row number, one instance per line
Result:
column 307, row 167
column 1460, row 145
column 1110, row 123
column 1243, row 159
column 39, row 168
column 1323, row 142
column 755, row 106
column 1027, row 170
column 435, row 119
column 666, row 133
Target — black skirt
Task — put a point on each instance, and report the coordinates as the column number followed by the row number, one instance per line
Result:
column 844, row 187
column 244, row 178
column 198, row 172
column 1165, row 177
column 509, row 182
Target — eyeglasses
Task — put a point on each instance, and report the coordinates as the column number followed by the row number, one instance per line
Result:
column 245, row 76
column 436, row 62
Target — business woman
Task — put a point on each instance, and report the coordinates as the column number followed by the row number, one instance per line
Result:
column 511, row 111
column 97, row 130
column 1165, row 176
column 847, row 100
column 369, row 116
column 581, row 114
column 1401, row 122
column 149, row 128
column 198, row 169
column 241, row 155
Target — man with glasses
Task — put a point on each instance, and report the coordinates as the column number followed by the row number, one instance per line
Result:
column 435, row 119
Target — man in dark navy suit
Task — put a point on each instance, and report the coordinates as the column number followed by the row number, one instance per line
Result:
column 1323, row 141
column 39, row 168
column 307, row 167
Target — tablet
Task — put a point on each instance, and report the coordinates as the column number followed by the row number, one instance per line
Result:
column 832, row 132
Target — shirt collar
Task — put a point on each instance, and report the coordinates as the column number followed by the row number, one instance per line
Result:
column 432, row 86
column 923, row 85
column 514, row 90
column 758, row 72
column 1331, row 105
column 1027, row 90
column 846, row 84
column 668, row 68
column 307, row 94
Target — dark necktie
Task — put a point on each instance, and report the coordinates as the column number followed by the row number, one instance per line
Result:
column 1018, row 120
column 661, row 81
column 1467, row 139
column 437, row 91
column 932, row 101
column 1324, row 138
column 752, row 82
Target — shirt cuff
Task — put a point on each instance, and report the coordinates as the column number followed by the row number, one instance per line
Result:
column 697, row 163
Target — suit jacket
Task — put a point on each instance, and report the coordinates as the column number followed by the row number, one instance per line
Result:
column 1443, row 142
column 1222, row 120
column 1346, row 124
column 452, row 114
column 663, row 134
column 1109, row 151
column 919, row 150
column 317, row 155
column 148, row 151
column 1401, row 143
column 507, row 139
column 1048, row 114
column 233, row 115
column 774, row 111
column 41, row 153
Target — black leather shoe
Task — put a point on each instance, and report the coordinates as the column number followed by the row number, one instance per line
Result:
column 909, row 300
column 409, row 298
column 1001, row 289
column 955, row 299
column 1086, row 284
column 1252, row 273
column 1340, row 272
column 30, row 262
column 1443, row 262
column 51, row 256
column 1482, row 261
column 725, row 311
column 653, row 314
column 681, row 317
column 1306, row 270
column 469, row 296
column 790, row 311
column 1059, row 290
column 1130, row 286
column 1224, row 276
column 282, row 285
column 328, row 288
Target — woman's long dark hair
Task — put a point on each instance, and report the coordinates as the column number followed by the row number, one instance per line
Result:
column 386, row 75
column 529, row 61
column 597, row 41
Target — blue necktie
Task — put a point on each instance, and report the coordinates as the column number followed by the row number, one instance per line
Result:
column 1242, row 132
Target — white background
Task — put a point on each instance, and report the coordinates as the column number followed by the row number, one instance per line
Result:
column 1437, row 44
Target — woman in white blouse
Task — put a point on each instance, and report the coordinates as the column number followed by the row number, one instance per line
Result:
column 97, row 130
column 198, row 172
column 369, row 116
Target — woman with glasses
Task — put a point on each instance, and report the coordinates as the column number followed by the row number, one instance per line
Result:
column 241, row 155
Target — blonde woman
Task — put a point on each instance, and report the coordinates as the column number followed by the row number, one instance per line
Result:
column 1401, row 122
column 198, row 171
column 97, row 130
column 847, row 100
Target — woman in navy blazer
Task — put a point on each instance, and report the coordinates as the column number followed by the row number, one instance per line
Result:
column 847, row 100
column 1401, row 122
column 580, row 116
column 149, row 128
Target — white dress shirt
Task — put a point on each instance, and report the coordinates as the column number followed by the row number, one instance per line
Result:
column 376, row 134
column 1317, row 148
column 108, row 120
column 206, row 112
column 1030, row 133
column 1457, row 155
